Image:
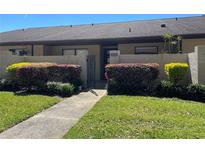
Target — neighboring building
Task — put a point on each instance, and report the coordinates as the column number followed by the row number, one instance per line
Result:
column 134, row 37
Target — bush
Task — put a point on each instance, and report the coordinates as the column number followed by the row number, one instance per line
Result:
column 168, row 89
column 32, row 75
column 66, row 89
column 194, row 92
column 11, row 69
column 1, row 85
column 65, row 73
column 53, row 87
column 8, row 85
column 58, row 88
column 131, row 79
column 176, row 72
column 41, row 87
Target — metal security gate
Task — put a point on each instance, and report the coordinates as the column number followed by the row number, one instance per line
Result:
column 91, row 71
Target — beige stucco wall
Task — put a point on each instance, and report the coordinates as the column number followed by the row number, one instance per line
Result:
column 38, row 50
column 130, row 47
column 197, row 64
column 161, row 59
column 92, row 50
column 193, row 65
column 189, row 44
column 201, row 63
column 6, row 48
column 6, row 58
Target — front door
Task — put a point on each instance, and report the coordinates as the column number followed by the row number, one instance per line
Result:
column 106, row 58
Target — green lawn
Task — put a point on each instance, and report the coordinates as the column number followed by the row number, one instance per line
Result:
column 141, row 117
column 14, row 109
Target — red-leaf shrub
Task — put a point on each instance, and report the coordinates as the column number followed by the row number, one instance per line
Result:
column 131, row 79
column 29, row 76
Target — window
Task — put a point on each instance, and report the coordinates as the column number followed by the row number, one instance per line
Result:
column 146, row 50
column 69, row 52
column 19, row 52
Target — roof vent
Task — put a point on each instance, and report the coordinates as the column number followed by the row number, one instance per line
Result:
column 92, row 24
column 23, row 29
column 176, row 19
column 130, row 30
column 71, row 25
column 163, row 25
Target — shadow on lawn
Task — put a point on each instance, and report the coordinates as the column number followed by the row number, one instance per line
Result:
column 32, row 92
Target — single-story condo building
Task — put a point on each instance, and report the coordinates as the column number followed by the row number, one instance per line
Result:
column 133, row 37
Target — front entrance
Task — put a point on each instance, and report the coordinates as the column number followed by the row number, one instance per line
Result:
column 106, row 58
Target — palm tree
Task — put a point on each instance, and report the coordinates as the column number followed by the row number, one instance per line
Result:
column 168, row 37
column 173, row 42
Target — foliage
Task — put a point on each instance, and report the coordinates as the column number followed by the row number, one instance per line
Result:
column 131, row 79
column 62, row 89
column 176, row 71
column 11, row 69
column 34, row 74
column 172, row 42
column 65, row 73
column 194, row 92
column 66, row 89
column 53, row 87
column 15, row 108
column 8, row 85
column 141, row 117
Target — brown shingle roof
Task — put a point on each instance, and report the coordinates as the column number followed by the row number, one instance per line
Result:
column 132, row 29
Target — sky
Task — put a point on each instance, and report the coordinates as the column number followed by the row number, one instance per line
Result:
column 19, row 21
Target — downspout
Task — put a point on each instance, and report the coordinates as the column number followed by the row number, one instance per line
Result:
column 32, row 50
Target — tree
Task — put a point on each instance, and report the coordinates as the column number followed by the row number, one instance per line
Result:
column 172, row 43
column 168, row 38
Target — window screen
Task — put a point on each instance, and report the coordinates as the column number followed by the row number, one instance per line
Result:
column 146, row 50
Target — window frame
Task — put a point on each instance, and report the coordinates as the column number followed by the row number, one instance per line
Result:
column 75, row 50
column 16, row 51
column 157, row 48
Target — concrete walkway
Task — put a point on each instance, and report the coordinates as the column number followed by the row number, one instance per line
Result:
column 57, row 120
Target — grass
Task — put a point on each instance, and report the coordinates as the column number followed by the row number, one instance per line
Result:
column 141, row 117
column 14, row 108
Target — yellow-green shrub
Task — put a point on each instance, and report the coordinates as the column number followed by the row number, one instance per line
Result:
column 176, row 71
column 11, row 69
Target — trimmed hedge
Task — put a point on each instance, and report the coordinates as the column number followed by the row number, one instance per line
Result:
column 193, row 92
column 11, row 69
column 176, row 72
column 34, row 74
column 131, row 79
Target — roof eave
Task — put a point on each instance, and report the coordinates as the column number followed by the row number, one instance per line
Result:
column 101, row 41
